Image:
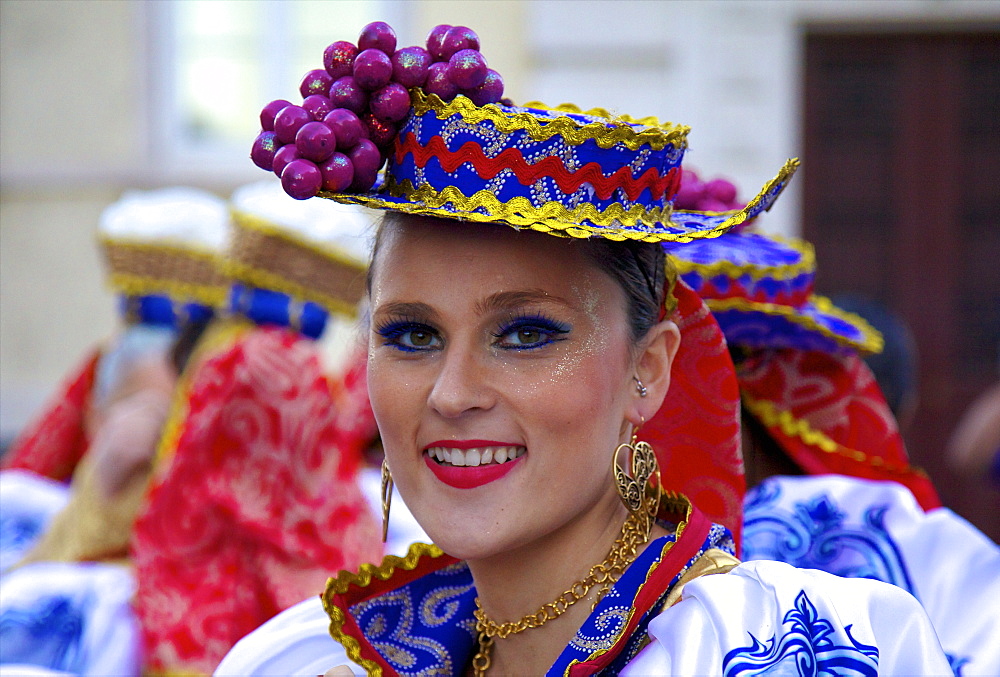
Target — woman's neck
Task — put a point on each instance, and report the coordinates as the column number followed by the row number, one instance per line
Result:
column 517, row 583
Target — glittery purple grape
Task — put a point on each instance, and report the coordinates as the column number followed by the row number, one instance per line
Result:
column 283, row 156
column 263, row 150
column 721, row 190
column 289, row 120
column 315, row 141
column 709, row 204
column 435, row 42
column 409, row 66
column 301, row 179
column 439, row 83
column 458, row 38
column 317, row 105
column 372, row 69
column 346, row 126
column 365, row 157
column 391, row 103
column 363, row 181
column 316, row 81
column 269, row 111
column 378, row 35
column 347, row 93
column 338, row 172
column 381, row 133
column 691, row 191
column 491, row 91
column 338, row 59
column 467, row 69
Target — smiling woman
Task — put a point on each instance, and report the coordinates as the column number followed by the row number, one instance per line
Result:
column 526, row 332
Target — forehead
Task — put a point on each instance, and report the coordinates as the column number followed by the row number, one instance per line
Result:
column 416, row 253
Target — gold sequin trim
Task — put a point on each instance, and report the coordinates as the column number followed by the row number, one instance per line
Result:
column 871, row 341
column 806, row 264
column 791, row 426
column 362, row 579
column 620, row 131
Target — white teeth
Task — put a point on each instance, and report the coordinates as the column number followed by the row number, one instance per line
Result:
column 472, row 457
column 476, row 457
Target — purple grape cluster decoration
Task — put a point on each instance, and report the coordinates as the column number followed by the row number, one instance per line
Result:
column 717, row 195
column 352, row 108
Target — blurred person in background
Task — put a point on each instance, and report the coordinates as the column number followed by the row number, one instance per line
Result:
column 255, row 495
column 831, row 486
column 68, row 582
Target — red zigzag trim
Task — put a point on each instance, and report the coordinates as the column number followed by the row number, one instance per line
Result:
column 527, row 174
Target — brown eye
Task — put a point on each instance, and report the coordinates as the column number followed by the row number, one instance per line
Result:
column 421, row 338
column 529, row 336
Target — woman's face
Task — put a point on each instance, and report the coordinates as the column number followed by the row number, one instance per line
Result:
column 500, row 375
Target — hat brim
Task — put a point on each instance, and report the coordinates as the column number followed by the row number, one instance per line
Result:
column 582, row 221
column 816, row 325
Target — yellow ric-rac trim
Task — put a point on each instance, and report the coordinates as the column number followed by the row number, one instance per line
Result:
column 261, row 225
column 552, row 217
column 220, row 334
column 655, row 135
column 265, row 279
column 805, row 264
column 792, row 426
column 135, row 285
column 362, row 579
column 872, row 341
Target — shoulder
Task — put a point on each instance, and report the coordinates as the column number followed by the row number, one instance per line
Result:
column 296, row 642
column 762, row 615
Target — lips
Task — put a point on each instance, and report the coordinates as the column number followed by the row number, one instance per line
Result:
column 473, row 463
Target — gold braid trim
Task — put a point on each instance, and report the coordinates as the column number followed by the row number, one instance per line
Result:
column 806, row 264
column 620, row 131
column 792, row 426
column 179, row 271
column 362, row 579
column 172, row 672
column 872, row 341
column 268, row 257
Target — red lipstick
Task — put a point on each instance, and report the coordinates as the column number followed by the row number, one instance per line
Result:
column 469, row 477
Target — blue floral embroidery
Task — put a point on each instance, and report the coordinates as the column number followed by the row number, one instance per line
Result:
column 48, row 636
column 814, row 534
column 806, row 648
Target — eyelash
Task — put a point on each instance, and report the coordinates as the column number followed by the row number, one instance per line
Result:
column 392, row 332
column 543, row 325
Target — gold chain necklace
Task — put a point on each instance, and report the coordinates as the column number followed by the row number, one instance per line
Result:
column 635, row 532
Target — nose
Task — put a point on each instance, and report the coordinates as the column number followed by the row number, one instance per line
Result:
column 462, row 384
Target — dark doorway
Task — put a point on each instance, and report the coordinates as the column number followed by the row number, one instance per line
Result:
column 901, row 189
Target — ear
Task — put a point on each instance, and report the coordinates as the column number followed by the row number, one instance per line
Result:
column 652, row 367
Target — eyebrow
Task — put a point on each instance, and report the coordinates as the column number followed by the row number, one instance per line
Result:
column 506, row 300
column 408, row 309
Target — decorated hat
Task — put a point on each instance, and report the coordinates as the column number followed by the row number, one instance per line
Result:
column 760, row 289
column 162, row 250
column 826, row 411
column 451, row 148
column 293, row 262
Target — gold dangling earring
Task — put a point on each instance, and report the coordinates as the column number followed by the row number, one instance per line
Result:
column 387, row 486
column 640, row 496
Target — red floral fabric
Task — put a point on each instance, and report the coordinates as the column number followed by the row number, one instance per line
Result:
column 254, row 503
column 696, row 433
column 829, row 415
column 54, row 443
